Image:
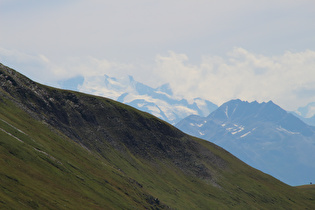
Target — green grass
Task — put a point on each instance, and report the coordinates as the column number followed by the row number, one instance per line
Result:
column 52, row 171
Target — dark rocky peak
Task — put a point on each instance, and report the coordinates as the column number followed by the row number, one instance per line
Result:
column 15, row 83
column 249, row 113
column 235, row 110
column 227, row 110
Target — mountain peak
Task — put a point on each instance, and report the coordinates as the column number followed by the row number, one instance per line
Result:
column 131, row 79
column 158, row 101
column 270, row 102
column 166, row 88
column 238, row 109
column 259, row 133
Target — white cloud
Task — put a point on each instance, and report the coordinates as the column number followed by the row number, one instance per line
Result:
column 287, row 79
column 245, row 75
column 37, row 67
column 42, row 69
column 58, row 40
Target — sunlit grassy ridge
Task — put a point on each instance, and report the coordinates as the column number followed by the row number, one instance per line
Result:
column 62, row 149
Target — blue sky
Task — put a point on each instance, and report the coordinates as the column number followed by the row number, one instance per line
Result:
column 218, row 50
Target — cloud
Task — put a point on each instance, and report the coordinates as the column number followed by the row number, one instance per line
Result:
column 42, row 69
column 286, row 79
column 58, row 40
column 37, row 67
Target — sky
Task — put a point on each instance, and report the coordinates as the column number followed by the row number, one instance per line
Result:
column 216, row 50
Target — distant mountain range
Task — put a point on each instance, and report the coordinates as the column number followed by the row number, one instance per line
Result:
column 261, row 134
column 159, row 101
column 268, row 130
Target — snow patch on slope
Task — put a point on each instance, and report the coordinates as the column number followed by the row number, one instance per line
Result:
column 242, row 136
column 286, row 131
column 226, row 111
column 235, row 129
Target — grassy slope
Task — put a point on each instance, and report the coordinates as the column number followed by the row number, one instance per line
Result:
column 310, row 186
column 50, row 170
column 70, row 176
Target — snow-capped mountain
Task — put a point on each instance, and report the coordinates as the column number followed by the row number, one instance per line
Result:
column 159, row 101
column 261, row 134
column 307, row 113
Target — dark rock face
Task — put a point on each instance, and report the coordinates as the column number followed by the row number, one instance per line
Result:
column 97, row 122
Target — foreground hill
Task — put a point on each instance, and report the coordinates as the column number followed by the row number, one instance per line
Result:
column 263, row 135
column 62, row 149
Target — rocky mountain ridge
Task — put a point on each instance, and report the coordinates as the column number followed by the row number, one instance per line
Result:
column 261, row 134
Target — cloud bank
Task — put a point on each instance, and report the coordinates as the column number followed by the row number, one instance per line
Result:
column 287, row 79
